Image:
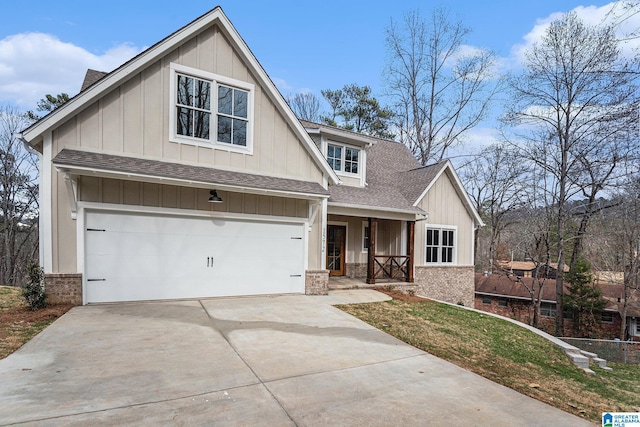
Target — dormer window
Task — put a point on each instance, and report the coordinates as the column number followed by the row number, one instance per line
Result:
column 343, row 159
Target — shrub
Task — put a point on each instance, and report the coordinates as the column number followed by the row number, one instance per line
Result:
column 33, row 291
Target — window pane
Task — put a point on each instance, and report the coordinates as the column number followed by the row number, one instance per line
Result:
column 185, row 120
column 224, row 129
column 185, row 90
column 240, row 99
column 447, row 255
column 351, row 160
column 225, row 99
column 334, row 157
column 429, row 237
column 365, row 240
column 239, row 132
column 203, row 95
column 201, row 125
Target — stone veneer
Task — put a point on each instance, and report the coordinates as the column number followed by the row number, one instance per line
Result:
column 316, row 282
column 63, row 288
column 356, row 270
column 450, row 284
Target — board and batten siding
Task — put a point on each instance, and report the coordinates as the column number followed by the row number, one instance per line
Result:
column 133, row 120
column 445, row 209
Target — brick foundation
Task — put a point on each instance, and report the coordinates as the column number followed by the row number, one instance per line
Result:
column 316, row 282
column 450, row 284
column 63, row 288
column 356, row 270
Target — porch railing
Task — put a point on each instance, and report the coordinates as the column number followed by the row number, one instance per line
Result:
column 391, row 267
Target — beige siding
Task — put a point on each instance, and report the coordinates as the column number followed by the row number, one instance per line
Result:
column 133, row 118
column 445, row 209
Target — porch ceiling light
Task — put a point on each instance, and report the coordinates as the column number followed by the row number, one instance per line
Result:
column 214, row 198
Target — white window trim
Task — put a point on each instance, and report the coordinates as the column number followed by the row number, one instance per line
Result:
column 342, row 172
column 215, row 79
column 365, row 224
column 455, row 244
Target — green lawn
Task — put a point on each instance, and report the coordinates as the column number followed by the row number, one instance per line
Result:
column 507, row 354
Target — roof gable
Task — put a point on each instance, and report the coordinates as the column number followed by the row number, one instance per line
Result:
column 101, row 87
column 445, row 167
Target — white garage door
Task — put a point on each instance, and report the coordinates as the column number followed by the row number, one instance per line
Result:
column 132, row 257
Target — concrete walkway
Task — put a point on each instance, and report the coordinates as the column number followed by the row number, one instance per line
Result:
column 285, row 360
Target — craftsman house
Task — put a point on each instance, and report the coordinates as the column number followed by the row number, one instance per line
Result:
column 183, row 174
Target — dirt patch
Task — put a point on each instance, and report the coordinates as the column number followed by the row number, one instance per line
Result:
column 18, row 323
column 395, row 294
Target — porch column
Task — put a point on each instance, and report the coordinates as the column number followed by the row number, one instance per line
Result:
column 411, row 231
column 371, row 251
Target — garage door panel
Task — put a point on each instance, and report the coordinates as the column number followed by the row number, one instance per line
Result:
column 143, row 257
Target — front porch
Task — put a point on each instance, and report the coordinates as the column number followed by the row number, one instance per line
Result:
column 369, row 251
column 345, row 283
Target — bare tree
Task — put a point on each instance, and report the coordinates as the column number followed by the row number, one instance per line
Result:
column 494, row 181
column 440, row 88
column 306, row 106
column 573, row 111
column 18, row 198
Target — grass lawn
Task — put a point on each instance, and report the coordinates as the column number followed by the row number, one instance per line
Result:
column 505, row 353
column 18, row 323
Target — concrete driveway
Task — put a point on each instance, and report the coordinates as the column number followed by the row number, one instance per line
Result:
column 285, row 360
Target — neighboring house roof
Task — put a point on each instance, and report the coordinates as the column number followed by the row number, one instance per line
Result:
column 33, row 134
column 501, row 285
column 508, row 287
column 91, row 77
column 526, row 265
column 76, row 160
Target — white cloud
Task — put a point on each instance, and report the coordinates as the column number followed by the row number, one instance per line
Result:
column 35, row 64
column 607, row 14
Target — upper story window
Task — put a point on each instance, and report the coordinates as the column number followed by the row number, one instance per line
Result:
column 440, row 247
column 210, row 109
column 343, row 159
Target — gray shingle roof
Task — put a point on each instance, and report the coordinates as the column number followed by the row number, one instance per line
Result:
column 395, row 179
column 161, row 169
column 91, row 77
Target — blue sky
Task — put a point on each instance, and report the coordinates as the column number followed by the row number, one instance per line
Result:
column 46, row 46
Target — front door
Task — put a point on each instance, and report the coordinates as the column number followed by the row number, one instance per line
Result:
column 336, row 239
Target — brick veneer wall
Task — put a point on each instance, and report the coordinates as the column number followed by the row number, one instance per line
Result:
column 316, row 282
column 449, row 284
column 522, row 311
column 356, row 270
column 63, row 288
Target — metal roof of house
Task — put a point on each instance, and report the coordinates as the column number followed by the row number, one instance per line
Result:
column 90, row 162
